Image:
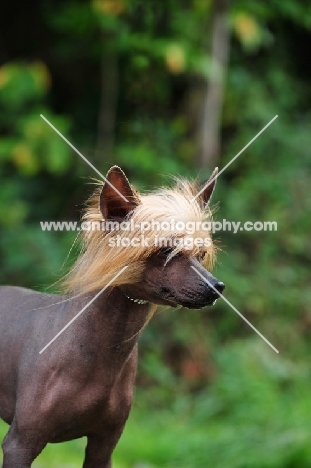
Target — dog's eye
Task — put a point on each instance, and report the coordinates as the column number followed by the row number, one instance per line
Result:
column 165, row 251
column 201, row 256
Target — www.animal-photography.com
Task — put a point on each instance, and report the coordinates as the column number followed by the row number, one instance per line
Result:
column 155, row 306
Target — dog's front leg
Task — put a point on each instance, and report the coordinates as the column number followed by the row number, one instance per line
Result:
column 20, row 449
column 99, row 450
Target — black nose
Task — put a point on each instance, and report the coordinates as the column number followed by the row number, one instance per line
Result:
column 220, row 286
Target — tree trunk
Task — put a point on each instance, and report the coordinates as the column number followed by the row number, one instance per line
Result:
column 209, row 131
column 108, row 100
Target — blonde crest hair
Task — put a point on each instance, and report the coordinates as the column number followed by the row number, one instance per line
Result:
column 101, row 257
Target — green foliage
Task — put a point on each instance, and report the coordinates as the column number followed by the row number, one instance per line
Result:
column 28, row 148
column 254, row 414
column 29, row 145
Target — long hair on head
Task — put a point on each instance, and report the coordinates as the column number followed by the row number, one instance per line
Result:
column 117, row 236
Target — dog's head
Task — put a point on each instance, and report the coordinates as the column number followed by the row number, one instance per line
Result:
column 162, row 233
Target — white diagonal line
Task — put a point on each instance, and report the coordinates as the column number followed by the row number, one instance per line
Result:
column 235, row 157
column 235, row 310
column 83, row 157
column 82, row 310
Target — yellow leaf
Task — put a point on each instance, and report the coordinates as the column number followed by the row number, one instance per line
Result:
column 175, row 58
column 247, row 29
column 24, row 159
column 41, row 74
column 110, row 7
column 4, row 76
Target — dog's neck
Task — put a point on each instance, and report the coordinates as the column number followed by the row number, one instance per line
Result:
column 114, row 323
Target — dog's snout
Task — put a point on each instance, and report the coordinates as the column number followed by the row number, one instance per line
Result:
column 220, row 286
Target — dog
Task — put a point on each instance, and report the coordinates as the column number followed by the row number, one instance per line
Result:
column 82, row 384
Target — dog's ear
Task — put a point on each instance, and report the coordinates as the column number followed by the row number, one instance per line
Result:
column 209, row 187
column 117, row 198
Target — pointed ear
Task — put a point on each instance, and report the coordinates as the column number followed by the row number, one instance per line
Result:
column 209, row 185
column 117, row 198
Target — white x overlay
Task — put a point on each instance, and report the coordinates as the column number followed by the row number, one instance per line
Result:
column 193, row 199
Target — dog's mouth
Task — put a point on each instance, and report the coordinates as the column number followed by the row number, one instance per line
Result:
column 189, row 298
column 191, row 304
column 199, row 305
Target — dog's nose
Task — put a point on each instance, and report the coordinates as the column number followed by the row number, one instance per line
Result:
column 220, row 286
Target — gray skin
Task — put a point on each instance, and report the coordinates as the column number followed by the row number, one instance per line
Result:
column 82, row 384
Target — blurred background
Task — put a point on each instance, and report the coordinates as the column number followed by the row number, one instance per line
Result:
column 161, row 88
